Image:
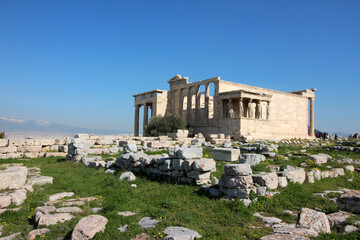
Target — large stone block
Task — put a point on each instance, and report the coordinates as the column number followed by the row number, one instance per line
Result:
column 9, row 149
column 225, row 154
column 340, row 171
column 178, row 164
column 282, row 181
column 18, row 197
column 33, row 154
column 47, row 142
column 243, row 182
column 180, row 233
column 251, row 158
column 42, row 180
column 297, row 175
column 13, row 177
column 349, row 201
column 238, row 193
column 166, row 166
column 189, row 152
column 314, row 220
column 198, row 175
column 237, row 169
column 188, row 163
column 51, row 219
column 204, row 165
column 96, row 151
column 269, row 180
column 88, row 226
column 320, row 159
column 5, row 201
column 338, row 219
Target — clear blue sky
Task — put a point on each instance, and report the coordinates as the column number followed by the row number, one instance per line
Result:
column 79, row 62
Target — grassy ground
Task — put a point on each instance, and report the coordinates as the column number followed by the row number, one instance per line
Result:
column 174, row 204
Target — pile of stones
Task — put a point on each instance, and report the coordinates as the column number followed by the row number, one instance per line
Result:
column 310, row 222
column 32, row 148
column 237, row 181
column 77, row 149
column 49, row 215
column 184, row 164
column 16, row 180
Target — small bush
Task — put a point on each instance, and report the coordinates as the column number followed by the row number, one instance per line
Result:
column 162, row 125
column 2, row 135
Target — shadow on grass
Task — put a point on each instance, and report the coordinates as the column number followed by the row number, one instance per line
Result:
column 68, row 235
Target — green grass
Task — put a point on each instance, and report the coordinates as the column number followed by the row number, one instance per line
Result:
column 175, row 204
column 156, row 152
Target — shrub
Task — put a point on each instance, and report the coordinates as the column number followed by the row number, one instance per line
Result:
column 2, row 135
column 162, row 125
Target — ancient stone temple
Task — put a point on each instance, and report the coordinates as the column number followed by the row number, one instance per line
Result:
column 215, row 106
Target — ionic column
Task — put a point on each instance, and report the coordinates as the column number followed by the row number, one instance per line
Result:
column 153, row 109
column 258, row 110
column 222, row 108
column 217, row 105
column 181, row 102
column 188, row 108
column 197, row 104
column 248, row 108
column 229, row 108
column 173, row 101
column 145, row 119
column 136, row 122
column 312, row 121
column 207, row 103
column 268, row 111
column 240, row 107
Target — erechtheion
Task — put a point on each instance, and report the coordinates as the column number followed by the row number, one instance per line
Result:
column 215, row 106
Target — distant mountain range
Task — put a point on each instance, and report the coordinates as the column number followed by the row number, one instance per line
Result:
column 21, row 126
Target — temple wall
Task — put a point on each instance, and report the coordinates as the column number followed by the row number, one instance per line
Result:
column 235, row 109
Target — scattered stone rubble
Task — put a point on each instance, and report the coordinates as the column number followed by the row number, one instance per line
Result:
column 88, row 226
column 225, row 154
column 237, row 181
column 180, row 233
column 32, row 148
column 181, row 164
column 16, row 180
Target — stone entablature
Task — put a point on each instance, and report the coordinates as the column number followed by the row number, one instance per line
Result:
column 214, row 106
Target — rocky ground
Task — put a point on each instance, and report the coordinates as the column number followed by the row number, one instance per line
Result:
column 224, row 190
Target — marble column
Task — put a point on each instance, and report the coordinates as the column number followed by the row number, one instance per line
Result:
column 248, row 108
column 173, row 99
column 312, row 120
column 146, row 117
column 181, row 102
column 153, row 109
column 240, row 108
column 216, row 105
column 188, row 108
column 258, row 110
column 197, row 104
column 229, row 108
column 207, row 103
column 136, row 122
column 268, row 111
